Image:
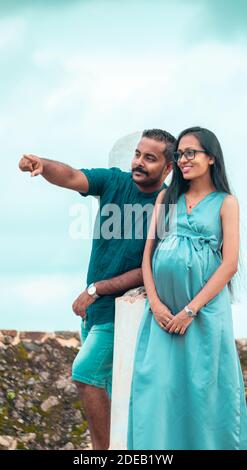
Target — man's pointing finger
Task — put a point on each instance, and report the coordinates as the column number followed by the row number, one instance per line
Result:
column 31, row 158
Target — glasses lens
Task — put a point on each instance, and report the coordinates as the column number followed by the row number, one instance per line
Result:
column 189, row 154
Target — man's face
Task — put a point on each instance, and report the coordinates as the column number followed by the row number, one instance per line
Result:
column 149, row 164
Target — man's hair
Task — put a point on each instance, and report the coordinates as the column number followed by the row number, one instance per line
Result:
column 162, row 136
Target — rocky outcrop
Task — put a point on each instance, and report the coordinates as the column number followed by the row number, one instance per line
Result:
column 242, row 351
column 39, row 405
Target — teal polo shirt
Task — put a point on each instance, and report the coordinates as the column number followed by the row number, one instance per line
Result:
column 119, row 236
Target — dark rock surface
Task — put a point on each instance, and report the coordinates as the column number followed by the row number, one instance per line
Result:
column 39, row 405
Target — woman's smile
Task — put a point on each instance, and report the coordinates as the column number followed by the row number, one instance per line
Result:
column 186, row 168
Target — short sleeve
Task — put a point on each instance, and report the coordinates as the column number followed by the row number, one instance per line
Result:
column 98, row 180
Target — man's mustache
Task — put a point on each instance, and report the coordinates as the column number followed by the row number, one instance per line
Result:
column 140, row 170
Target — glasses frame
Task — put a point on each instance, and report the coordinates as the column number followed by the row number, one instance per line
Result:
column 178, row 155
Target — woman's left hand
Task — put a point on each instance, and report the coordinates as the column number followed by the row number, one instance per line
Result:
column 179, row 323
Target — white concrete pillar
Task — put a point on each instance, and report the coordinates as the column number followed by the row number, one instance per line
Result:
column 129, row 311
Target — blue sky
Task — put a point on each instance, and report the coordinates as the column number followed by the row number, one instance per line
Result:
column 75, row 77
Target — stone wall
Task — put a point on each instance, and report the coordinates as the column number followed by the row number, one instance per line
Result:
column 39, row 406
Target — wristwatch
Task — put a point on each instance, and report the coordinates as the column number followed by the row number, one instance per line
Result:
column 189, row 311
column 91, row 290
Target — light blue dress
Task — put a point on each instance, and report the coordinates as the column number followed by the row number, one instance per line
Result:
column 187, row 391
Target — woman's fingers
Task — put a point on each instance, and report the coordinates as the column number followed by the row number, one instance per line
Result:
column 173, row 326
column 176, row 325
column 169, row 324
column 169, row 316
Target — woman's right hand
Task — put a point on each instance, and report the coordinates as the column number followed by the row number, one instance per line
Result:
column 161, row 313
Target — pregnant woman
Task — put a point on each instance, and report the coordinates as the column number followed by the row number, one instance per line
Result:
column 187, row 387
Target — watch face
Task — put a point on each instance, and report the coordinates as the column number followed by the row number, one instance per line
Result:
column 191, row 313
column 91, row 290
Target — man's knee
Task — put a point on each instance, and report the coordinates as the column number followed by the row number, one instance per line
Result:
column 81, row 386
column 85, row 387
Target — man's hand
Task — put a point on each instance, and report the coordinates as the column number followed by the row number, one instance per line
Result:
column 81, row 303
column 31, row 163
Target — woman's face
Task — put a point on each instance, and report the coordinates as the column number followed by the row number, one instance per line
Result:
column 200, row 165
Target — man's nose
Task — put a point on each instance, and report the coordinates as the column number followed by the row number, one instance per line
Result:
column 140, row 160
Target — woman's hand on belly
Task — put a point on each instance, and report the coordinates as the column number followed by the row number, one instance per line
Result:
column 179, row 323
column 161, row 313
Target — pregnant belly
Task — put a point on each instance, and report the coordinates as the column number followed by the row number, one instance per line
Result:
column 180, row 271
column 173, row 268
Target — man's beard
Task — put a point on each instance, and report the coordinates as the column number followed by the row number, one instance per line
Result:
column 147, row 182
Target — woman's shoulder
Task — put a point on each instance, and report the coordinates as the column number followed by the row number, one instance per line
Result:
column 230, row 202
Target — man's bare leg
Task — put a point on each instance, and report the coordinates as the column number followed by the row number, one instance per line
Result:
column 97, row 406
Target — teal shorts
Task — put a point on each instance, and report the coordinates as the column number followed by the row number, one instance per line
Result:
column 93, row 363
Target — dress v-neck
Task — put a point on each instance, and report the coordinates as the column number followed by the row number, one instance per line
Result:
column 199, row 202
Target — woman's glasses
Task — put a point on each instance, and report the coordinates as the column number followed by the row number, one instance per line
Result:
column 189, row 154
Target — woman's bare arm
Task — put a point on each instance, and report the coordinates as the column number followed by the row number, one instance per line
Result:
column 160, row 311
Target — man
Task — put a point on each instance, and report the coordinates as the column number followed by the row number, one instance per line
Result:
column 115, row 262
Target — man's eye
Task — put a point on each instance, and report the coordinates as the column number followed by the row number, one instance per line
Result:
column 151, row 159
